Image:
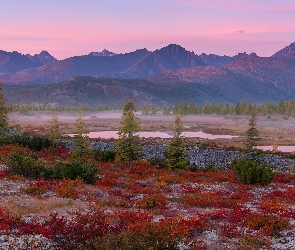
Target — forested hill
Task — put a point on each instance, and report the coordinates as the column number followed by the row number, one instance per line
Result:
column 91, row 91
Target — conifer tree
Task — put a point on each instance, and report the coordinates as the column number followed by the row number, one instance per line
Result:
column 53, row 132
column 3, row 111
column 81, row 140
column 128, row 146
column 252, row 134
column 176, row 155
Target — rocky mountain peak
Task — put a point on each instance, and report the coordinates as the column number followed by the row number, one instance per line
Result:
column 174, row 48
column 288, row 51
column 105, row 52
column 42, row 58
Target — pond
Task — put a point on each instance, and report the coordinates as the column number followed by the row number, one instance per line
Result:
column 158, row 134
column 285, row 149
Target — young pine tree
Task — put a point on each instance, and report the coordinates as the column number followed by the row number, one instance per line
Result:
column 3, row 111
column 176, row 155
column 81, row 140
column 53, row 132
column 252, row 134
column 128, row 146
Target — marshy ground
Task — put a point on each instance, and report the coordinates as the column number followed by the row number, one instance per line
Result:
column 274, row 130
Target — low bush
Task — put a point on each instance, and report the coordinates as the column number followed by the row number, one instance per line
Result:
column 25, row 163
column 66, row 190
column 33, row 190
column 267, row 224
column 153, row 201
column 36, row 143
column 103, row 156
column 158, row 162
column 252, row 171
column 211, row 167
column 87, row 171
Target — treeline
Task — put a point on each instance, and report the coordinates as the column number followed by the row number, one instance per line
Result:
column 240, row 108
column 25, row 109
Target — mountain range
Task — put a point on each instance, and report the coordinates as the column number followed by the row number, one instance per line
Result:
column 165, row 76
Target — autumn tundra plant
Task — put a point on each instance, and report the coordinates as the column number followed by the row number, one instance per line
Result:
column 128, row 147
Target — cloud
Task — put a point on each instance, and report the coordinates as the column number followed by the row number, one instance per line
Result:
column 241, row 31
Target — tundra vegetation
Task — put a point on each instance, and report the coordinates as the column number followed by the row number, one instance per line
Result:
column 115, row 200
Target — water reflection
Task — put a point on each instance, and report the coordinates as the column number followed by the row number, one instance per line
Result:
column 285, row 149
column 158, row 134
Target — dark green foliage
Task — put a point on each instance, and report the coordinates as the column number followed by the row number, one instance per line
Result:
column 291, row 155
column 252, row 134
column 26, row 164
column 176, row 155
column 36, row 143
column 211, row 167
column 103, row 156
column 81, row 140
column 158, row 162
column 53, row 131
column 252, row 171
column 87, row 171
column 128, row 146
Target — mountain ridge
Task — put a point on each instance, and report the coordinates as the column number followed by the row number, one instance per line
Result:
column 168, row 75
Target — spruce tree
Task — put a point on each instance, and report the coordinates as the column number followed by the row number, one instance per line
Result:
column 252, row 134
column 81, row 140
column 176, row 155
column 53, row 132
column 128, row 146
column 3, row 111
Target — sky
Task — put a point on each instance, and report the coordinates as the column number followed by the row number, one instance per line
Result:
column 77, row 27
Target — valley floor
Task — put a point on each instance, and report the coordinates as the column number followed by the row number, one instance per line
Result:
column 276, row 130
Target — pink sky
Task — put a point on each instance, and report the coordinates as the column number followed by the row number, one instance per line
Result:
column 75, row 27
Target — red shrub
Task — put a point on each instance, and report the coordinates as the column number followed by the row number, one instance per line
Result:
column 283, row 178
column 153, row 201
column 2, row 174
column 267, row 224
column 186, row 188
column 7, row 220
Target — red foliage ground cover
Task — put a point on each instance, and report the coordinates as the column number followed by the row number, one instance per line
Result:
column 149, row 208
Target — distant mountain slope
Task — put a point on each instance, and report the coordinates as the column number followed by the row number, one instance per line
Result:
column 197, row 85
column 170, row 57
column 171, row 75
column 77, row 66
column 216, row 85
column 14, row 61
column 288, row 51
column 277, row 71
column 220, row 61
column 140, row 63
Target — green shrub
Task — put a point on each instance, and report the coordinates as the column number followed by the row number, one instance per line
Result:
column 158, row 162
column 252, row 171
column 87, row 171
column 25, row 163
column 103, row 156
column 36, row 143
column 211, row 167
